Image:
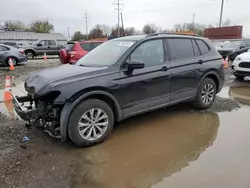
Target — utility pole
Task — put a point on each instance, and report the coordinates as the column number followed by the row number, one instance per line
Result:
column 122, row 25
column 86, row 17
column 221, row 12
column 118, row 5
column 68, row 34
column 193, row 21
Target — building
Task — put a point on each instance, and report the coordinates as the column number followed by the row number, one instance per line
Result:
column 29, row 37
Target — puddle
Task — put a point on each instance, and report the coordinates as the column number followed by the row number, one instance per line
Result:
column 144, row 150
column 170, row 149
column 241, row 94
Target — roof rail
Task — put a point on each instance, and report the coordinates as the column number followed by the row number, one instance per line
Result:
column 169, row 33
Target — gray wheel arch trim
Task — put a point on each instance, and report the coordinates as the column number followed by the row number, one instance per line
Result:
column 68, row 107
column 214, row 73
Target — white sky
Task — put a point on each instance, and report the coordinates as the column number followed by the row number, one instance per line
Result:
column 136, row 13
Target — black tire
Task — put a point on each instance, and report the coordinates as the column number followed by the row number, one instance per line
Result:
column 30, row 54
column 199, row 103
column 238, row 77
column 14, row 60
column 76, row 116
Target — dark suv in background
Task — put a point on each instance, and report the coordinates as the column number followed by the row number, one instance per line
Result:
column 121, row 78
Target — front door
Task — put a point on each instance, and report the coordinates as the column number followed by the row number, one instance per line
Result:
column 145, row 88
column 185, row 68
column 42, row 47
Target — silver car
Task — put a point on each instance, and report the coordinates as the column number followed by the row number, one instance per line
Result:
column 7, row 52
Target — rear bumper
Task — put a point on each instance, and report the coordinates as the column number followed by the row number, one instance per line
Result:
column 22, row 59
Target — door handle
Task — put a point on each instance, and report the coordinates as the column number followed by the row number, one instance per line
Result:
column 200, row 62
column 164, row 68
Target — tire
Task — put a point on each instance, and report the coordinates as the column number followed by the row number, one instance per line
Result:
column 30, row 54
column 83, row 109
column 205, row 97
column 241, row 78
column 14, row 60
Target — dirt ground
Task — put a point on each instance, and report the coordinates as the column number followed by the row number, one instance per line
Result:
column 142, row 151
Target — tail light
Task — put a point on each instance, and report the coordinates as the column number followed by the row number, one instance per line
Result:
column 21, row 52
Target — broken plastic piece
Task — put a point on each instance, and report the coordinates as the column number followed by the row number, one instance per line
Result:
column 25, row 139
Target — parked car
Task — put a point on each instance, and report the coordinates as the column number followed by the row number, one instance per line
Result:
column 7, row 52
column 16, row 44
column 241, row 65
column 50, row 47
column 233, row 48
column 76, row 50
column 121, row 78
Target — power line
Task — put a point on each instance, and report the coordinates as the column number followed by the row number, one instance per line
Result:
column 86, row 17
column 118, row 5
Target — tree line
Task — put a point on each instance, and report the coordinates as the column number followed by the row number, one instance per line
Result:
column 104, row 31
column 38, row 26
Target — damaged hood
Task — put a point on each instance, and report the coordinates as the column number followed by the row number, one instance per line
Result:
column 47, row 79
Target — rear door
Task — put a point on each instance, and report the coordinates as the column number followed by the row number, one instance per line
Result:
column 52, row 47
column 186, row 68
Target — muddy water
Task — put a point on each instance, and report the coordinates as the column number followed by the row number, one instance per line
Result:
column 170, row 149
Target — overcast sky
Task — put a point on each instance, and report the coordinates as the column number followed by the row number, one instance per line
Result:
column 136, row 13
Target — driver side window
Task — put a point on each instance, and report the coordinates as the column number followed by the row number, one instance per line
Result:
column 150, row 52
column 44, row 43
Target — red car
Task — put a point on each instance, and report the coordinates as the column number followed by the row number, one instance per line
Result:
column 76, row 50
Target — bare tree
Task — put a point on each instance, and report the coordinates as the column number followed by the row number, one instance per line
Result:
column 129, row 31
column 106, row 30
column 96, row 32
column 149, row 28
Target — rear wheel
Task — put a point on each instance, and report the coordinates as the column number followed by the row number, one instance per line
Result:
column 239, row 77
column 206, row 94
column 90, row 122
column 30, row 54
column 14, row 61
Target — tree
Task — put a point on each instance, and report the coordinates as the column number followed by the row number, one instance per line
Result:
column 149, row 28
column 96, row 32
column 114, row 31
column 78, row 36
column 106, row 29
column 42, row 26
column 195, row 27
column 129, row 31
column 14, row 26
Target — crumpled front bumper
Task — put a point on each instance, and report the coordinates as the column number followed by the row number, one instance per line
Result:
column 26, row 113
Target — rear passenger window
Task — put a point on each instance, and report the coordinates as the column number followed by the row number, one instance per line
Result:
column 203, row 47
column 95, row 44
column 86, row 46
column 181, row 48
column 196, row 49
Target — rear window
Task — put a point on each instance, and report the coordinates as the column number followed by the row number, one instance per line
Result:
column 86, row 46
column 181, row 48
column 203, row 47
column 69, row 47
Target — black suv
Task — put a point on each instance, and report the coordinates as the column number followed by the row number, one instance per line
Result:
column 121, row 78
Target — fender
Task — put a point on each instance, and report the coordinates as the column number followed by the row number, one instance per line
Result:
column 214, row 73
column 68, row 107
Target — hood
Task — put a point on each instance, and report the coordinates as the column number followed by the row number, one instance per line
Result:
column 55, row 76
column 226, row 49
column 245, row 56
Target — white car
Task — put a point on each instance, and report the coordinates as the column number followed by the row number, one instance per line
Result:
column 241, row 65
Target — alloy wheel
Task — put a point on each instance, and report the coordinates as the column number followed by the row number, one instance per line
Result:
column 93, row 124
column 207, row 94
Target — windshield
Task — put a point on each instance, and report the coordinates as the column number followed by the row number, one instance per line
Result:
column 234, row 44
column 105, row 54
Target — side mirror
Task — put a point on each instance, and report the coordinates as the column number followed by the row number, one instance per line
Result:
column 133, row 64
column 39, row 44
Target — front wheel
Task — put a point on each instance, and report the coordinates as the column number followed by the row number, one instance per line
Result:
column 30, row 54
column 206, row 94
column 90, row 122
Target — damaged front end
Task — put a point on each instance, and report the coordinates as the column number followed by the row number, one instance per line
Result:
column 40, row 111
